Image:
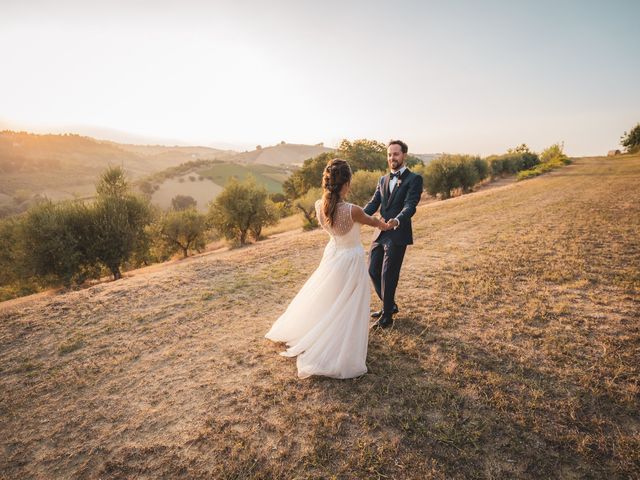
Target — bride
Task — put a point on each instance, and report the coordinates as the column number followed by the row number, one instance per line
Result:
column 326, row 324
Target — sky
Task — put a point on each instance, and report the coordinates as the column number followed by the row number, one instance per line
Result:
column 455, row 76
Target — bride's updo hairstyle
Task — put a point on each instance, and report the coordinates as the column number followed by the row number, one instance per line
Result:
column 336, row 174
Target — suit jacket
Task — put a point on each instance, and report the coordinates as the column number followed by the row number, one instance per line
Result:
column 400, row 204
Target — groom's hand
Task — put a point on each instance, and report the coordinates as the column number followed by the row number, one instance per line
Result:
column 393, row 223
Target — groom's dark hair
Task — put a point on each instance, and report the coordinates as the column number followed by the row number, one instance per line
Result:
column 403, row 145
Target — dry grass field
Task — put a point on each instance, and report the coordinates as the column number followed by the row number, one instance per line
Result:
column 515, row 355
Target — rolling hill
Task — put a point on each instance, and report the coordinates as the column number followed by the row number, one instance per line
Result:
column 282, row 154
column 64, row 159
column 515, row 354
column 67, row 166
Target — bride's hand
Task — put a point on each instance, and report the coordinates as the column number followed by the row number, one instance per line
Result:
column 382, row 225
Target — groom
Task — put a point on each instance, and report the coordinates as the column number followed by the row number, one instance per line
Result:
column 397, row 196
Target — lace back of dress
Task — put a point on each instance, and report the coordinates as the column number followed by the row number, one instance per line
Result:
column 342, row 221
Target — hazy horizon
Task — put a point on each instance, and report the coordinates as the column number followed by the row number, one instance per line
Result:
column 459, row 77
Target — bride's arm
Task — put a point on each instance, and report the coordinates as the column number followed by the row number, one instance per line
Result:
column 358, row 215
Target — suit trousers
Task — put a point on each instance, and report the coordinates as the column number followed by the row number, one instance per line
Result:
column 385, row 260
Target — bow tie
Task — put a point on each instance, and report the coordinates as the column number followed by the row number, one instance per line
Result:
column 394, row 175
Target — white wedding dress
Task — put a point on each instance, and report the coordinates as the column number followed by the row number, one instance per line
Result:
column 327, row 323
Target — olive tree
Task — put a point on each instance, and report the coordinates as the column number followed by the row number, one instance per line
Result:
column 240, row 209
column 58, row 238
column 307, row 205
column 119, row 219
column 183, row 230
column 363, row 186
column 631, row 140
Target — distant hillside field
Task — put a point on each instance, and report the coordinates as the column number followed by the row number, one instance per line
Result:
column 281, row 154
column 205, row 183
column 515, row 354
column 271, row 177
column 426, row 157
column 215, row 177
column 186, row 153
column 202, row 192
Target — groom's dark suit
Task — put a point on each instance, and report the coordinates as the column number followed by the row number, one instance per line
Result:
column 387, row 250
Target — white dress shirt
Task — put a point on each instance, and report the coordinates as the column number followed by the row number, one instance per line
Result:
column 394, row 180
column 392, row 184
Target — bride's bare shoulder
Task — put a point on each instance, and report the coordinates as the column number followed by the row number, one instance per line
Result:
column 357, row 213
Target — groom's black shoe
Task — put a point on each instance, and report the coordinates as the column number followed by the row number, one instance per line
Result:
column 385, row 321
column 379, row 313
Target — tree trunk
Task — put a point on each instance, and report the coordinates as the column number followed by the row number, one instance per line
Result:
column 115, row 270
column 309, row 217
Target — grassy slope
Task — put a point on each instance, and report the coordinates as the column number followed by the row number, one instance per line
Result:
column 515, row 355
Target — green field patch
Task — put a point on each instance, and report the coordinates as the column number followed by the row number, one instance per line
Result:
column 270, row 177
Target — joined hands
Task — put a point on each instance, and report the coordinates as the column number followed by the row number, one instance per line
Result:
column 388, row 225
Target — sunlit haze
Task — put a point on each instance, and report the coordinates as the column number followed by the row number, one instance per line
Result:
column 460, row 76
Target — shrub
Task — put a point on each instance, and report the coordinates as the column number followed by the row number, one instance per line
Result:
column 551, row 158
column 466, row 172
column 307, row 177
column 112, row 182
column 118, row 221
column 146, row 187
column 363, row 186
column 529, row 160
column 420, row 169
column 182, row 230
column 58, row 239
column 440, row 176
column 363, row 154
column 118, row 225
column 267, row 214
column 449, row 172
column 496, row 166
column 183, row 202
column 482, row 167
column 553, row 153
column 511, row 162
column 239, row 209
column 524, row 174
column 307, row 205
column 15, row 278
column 631, row 140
